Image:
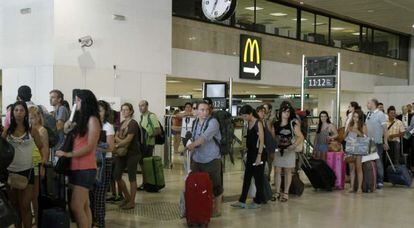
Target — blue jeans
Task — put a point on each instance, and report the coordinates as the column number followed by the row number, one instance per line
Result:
column 380, row 166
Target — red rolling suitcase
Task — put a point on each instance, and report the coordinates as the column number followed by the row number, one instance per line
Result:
column 198, row 198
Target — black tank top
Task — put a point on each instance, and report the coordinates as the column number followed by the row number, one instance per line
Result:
column 252, row 139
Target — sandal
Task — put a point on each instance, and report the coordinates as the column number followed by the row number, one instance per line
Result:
column 285, row 198
column 128, row 206
column 277, row 197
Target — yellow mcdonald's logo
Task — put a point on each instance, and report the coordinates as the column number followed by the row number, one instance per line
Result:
column 253, row 46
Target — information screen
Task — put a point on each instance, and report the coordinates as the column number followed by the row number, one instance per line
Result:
column 215, row 90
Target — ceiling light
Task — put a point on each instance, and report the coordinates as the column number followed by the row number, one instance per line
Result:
column 357, row 33
column 173, row 81
column 318, row 23
column 198, row 89
column 370, row 11
column 278, row 14
column 337, row 28
column 301, row 3
column 381, row 73
column 287, row 53
column 413, row 26
column 252, row 8
column 263, row 87
column 395, row 64
column 191, row 38
column 302, row 19
column 351, row 63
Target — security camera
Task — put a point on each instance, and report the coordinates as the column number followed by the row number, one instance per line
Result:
column 85, row 41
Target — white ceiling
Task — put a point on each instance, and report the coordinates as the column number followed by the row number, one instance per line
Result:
column 397, row 15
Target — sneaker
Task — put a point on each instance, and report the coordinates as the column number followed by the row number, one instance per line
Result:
column 119, row 198
column 141, row 188
column 254, row 206
column 239, row 205
column 380, row 185
column 111, row 199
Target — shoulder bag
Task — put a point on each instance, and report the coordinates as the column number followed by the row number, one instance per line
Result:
column 123, row 150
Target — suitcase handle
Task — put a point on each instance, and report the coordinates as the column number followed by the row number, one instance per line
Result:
column 389, row 158
column 306, row 161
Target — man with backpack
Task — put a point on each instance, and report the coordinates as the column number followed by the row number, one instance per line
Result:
column 205, row 151
column 151, row 126
column 60, row 113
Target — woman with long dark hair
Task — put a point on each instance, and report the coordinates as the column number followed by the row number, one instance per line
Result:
column 325, row 132
column 87, row 128
column 104, row 163
column 255, row 158
column 288, row 137
column 24, row 139
column 356, row 128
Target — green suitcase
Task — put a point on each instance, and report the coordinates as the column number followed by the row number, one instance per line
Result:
column 153, row 174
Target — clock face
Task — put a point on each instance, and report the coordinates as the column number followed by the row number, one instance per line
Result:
column 218, row 10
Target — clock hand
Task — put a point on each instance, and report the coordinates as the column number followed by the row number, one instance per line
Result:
column 214, row 7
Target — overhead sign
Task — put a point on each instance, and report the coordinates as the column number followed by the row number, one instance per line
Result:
column 250, row 57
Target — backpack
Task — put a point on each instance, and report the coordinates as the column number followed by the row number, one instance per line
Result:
column 226, row 130
column 159, row 138
column 270, row 143
column 49, row 123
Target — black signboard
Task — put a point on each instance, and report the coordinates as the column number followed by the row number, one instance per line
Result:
column 321, row 66
column 320, row 82
column 250, row 57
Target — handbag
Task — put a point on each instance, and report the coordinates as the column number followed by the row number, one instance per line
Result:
column 63, row 164
column 298, row 148
column 122, row 151
column 18, row 181
column 358, row 145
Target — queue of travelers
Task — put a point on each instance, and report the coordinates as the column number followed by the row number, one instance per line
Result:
column 102, row 151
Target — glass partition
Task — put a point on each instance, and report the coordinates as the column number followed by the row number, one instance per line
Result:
column 276, row 19
column 345, row 35
column 280, row 19
column 386, row 44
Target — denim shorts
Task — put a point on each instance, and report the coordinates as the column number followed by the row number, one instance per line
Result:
column 83, row 178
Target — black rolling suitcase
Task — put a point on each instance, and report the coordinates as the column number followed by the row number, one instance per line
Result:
column 53, row 200
column 319, row 173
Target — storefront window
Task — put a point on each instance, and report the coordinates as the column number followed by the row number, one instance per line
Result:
column 276, row 19
column 386, row 44
column 345, row 35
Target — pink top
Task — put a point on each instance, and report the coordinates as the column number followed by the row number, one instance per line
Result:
column 87, row 161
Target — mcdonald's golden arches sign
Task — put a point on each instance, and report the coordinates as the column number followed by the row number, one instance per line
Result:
column 250, row 57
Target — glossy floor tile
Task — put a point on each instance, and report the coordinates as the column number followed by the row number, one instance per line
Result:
column 390, row 207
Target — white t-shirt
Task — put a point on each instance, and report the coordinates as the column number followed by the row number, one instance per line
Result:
column 109, row 129
column 187, row 125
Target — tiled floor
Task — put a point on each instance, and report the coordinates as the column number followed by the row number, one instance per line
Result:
column 390, row 207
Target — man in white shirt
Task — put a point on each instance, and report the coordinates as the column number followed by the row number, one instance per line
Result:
column 406, row 118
